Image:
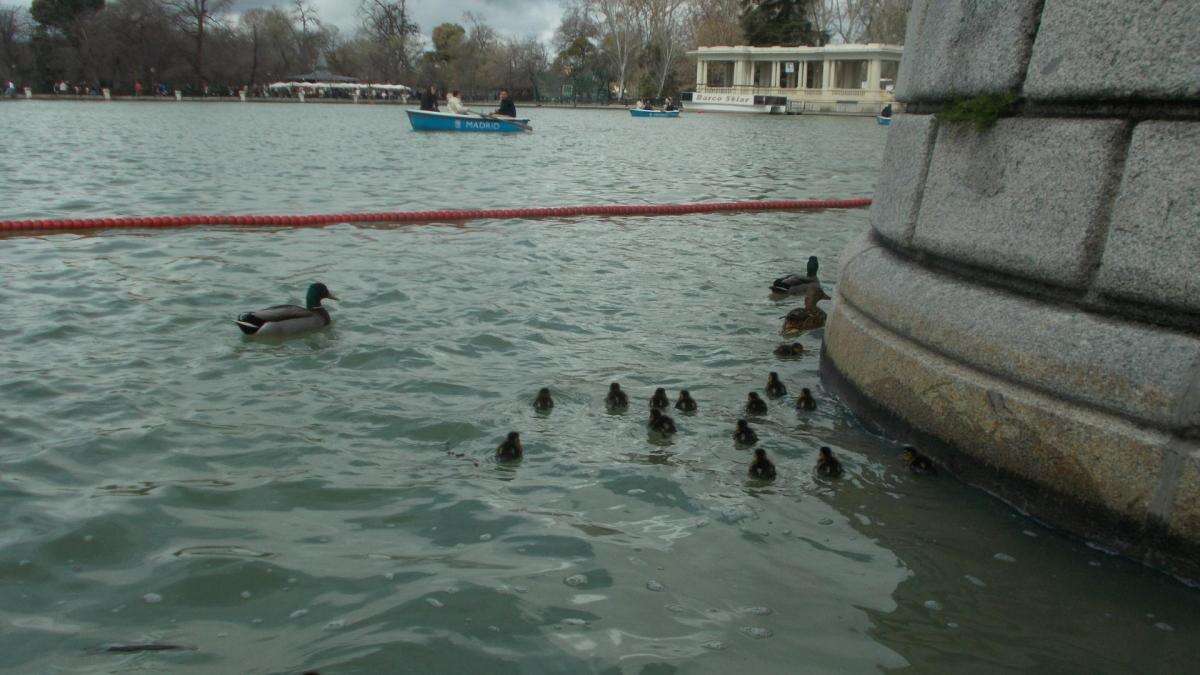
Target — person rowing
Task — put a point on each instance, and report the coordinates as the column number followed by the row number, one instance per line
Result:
column 455, row 105
column 507, row 107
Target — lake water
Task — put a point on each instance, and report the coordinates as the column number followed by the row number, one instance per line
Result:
column 331, row 502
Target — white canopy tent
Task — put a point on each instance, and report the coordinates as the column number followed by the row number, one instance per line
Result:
column 346, row 86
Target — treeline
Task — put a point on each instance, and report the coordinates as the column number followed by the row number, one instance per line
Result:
column 603, row 50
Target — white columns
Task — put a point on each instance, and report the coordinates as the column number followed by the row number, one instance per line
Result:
column 699, row 73
column 827, row 70
column 874, row 70
column 776, row 71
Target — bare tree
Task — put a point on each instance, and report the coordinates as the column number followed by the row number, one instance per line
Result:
column 14, row 34
column 194, row 18
column 664, row 28
column 715, row 22
column 389, row 25
column 306, row 16
column 852, row 21
column 622, row 32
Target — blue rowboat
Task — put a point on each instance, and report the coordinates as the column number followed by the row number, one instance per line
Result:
column 439, row 121
column 885, row 121
column 653, row 113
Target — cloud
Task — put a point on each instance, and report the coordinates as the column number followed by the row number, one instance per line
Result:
column 511, row 18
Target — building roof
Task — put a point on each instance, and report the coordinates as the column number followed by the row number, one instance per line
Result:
column 835, row 51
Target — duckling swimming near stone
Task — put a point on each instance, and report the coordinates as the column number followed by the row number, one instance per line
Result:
column 660, row 422
column 775, row 387
column 918, row 463
column 686, row 403
column 755, row 405
column 511, row 449
column 805, row 400
column 285, row 320
column 762, row 468
column 543, row 402
column 659, row 399
column 828, row 465
column 744, row 434
column 616, row 398
column 806, row 318
column 785, row 350
column 795, row 284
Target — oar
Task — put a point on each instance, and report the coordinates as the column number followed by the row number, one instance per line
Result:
column 522, row 125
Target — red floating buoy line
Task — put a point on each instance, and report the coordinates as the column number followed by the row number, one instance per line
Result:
column 454, row 216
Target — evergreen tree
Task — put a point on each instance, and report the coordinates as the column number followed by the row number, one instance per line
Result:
column 787, row 23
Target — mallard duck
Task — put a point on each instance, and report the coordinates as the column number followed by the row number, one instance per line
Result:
column 785, row 350
column 828, row 465
column 686, row 403
column 660, row 422
column 795, row 284
column 918, row 463
column 805, row 400
column 755, row 405
column 284, row 320
column 543, row 402
column 775, row 387
column 762, row 468
column 659, row 399
column 511, row 449
column 744, row 434
column 616, row 398
column 806, row 318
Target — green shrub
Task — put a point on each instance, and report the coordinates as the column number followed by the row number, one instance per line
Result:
column 984, row 110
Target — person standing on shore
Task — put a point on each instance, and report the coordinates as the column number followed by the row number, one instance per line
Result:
column 507, row 107
column 10, row 90
column 137, row 88
column 429, row 99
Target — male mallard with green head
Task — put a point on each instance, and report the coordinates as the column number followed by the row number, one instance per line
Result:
column 795, row 284
column 285, row 320
column 806, row 318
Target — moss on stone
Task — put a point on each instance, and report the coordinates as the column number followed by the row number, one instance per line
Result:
column 984, row 111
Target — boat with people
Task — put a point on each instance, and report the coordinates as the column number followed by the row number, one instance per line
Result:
column 424, row 120
column 653, row 113
column 883, row 121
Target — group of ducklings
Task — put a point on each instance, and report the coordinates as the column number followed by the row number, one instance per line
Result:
column 806, row 318
column 761, row 468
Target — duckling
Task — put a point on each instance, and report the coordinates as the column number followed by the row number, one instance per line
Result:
column 918, row 463
column 785, row 351
column 543, row 402
column 762, row 468
column 616, row 398
column 511, row 449
column 286, row 320
column 806, row 318
column 828, row 465
column 805, row 400
column 755, row 405
column 660, row 422
column 659, row 399
column 795, row 284
column 744, row 434
column 686, row 403
column 775, row 388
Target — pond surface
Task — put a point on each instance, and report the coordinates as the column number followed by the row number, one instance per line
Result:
column 331, row 502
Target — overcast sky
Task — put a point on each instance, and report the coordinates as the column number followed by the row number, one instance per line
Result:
column 518, row 18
